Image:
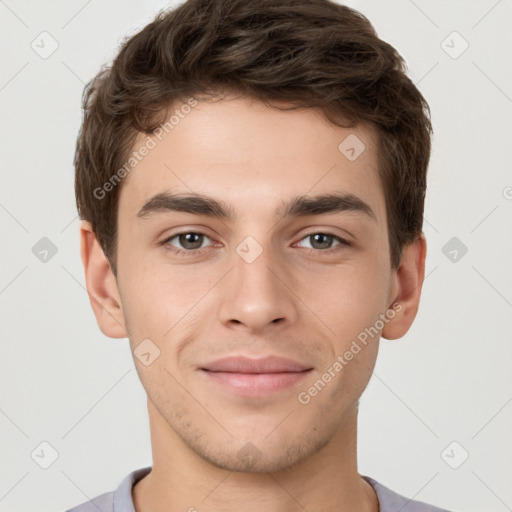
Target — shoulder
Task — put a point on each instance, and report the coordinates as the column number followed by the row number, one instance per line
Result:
column 391, row 501
column 119, row 500
column 103, row 502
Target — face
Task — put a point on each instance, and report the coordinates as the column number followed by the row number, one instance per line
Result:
column 260, row 273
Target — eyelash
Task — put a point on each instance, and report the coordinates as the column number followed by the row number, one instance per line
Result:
column 190, row 252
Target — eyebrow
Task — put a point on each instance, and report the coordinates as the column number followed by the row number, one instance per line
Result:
column 198, row 204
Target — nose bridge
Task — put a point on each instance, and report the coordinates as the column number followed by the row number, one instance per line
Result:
column 256, row 295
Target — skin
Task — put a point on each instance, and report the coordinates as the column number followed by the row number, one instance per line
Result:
column 298, row 299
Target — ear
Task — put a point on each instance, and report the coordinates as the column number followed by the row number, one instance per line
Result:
column 101, row 285
column 408, row 281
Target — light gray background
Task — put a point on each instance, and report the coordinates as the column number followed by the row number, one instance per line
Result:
column 448, row 379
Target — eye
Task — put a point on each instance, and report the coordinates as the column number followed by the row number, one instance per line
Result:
column 323, row 241
column 191, row 242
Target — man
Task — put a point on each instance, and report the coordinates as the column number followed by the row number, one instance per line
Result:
column 251, row 178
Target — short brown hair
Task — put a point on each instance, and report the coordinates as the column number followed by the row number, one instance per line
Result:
column 310, row 53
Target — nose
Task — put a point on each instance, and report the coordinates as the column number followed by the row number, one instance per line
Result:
column 257, row 296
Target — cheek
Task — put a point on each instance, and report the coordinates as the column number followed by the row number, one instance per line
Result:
column 347, row 299
column 160, row 299
column 340, row 300
column 147, row 304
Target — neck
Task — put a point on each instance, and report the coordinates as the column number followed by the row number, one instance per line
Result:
column 181, row 479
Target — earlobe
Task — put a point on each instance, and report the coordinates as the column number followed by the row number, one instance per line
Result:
column 101, row 285
column 409, row 279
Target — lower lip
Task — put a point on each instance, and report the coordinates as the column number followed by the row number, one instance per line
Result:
column 254, row 384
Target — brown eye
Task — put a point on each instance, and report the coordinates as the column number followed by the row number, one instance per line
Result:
column 191, row 240
column 187, row 243
column 324, row 241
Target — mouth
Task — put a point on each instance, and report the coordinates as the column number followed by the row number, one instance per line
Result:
column 245, row 376
column 255, row 384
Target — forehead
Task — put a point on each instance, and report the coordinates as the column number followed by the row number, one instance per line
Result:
column 252, row 157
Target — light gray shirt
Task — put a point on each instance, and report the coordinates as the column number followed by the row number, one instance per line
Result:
column 121, row 500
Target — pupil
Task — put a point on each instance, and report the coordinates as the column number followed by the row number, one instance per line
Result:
column 188, row 238
column 319, row 236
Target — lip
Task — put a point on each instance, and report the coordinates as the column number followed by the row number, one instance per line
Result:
column 255, row 377
column 242, row 364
